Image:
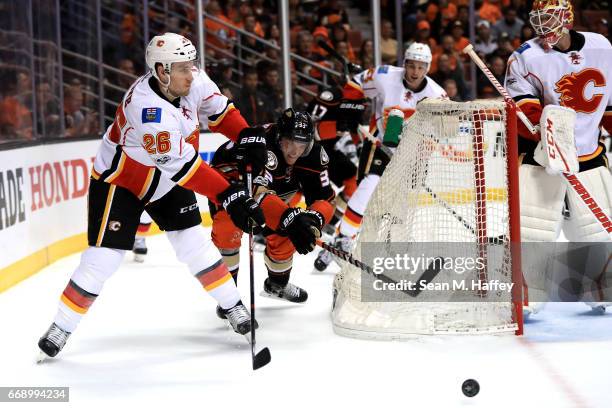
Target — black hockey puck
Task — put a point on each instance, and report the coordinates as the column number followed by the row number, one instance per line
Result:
column 470, row 387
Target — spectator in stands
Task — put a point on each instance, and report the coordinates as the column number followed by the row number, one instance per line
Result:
column 273, row 34
column 463, row 15
column 460, row 40
column 445, row 71
column 251, row 48
column 366, row 54
column 388, row 44
column 15, row 117
column 504, row 47
column 304, row 49
column 128, row 47
column 123, row 80
column 271, row 90
column 497, row 65
column 298, row 102
column 447, row 47
column 48, row 112
column 485, row 43
column 331, row 12
column 338, row 35
column 423, row 34
column 218, row 37
column 78, row 121
column 510, row 24
column 450, row 86
column 490, row 11
column 527, row 33
column 251, row 102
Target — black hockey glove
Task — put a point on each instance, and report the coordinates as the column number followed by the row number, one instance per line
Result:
column 242, row 209
column 303, row 227
column 251, row 150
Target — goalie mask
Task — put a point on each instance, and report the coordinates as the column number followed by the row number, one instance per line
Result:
column 296, row 126
column 551, row 19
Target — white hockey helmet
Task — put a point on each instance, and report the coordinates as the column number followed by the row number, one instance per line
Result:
column 168, row 48
column 418, row 52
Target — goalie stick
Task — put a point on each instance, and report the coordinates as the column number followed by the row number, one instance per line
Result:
column 427, row 276
column 571, row 179
column 262, row 357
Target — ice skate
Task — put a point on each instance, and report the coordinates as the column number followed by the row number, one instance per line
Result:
column 52, row 342
column 289, row 292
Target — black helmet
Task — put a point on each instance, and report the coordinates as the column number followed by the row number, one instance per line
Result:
column 296, row 125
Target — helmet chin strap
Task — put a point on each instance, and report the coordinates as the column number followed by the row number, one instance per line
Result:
column 166, row 86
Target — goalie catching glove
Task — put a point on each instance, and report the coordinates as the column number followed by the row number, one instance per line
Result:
column 251, row 150
column 242, row 209
column 303, row 227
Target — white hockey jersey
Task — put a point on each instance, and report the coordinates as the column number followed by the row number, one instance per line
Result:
column 152, row 144
column 386, row 86
column 577, row 79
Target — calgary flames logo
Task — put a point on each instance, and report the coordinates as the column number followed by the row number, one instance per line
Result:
column 572, row 86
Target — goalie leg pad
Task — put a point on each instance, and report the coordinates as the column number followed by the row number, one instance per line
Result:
column 582, row 226
column 542, row 196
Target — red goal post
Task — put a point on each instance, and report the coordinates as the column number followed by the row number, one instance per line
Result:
column 452, row 183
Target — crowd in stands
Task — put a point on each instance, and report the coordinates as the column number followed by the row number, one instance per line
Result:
column 243, row 57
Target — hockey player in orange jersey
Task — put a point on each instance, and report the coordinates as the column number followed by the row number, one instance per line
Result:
column 148, row 159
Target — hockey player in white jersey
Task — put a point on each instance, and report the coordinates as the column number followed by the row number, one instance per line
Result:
column 571, row 69
column 148, row 159
column 389, row 88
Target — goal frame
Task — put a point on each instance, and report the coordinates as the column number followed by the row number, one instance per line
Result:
column 512, row 242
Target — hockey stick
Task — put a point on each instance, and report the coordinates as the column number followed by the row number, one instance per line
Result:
column 571, row 179
column 426, row 277
column 262, row 357
column 347, row 66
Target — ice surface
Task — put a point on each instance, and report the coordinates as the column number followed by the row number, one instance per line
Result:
column 153, row 337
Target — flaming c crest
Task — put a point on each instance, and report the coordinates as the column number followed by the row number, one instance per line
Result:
column 572, row 86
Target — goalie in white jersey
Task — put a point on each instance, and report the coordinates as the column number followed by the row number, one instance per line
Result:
column 391, row 89
column 570, row 69
column 148, row 159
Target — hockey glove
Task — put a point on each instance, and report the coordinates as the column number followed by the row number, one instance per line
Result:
column 251, row 150
column 303, row 227
column 242, row 209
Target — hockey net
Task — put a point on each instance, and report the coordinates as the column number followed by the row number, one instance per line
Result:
column 450, row 187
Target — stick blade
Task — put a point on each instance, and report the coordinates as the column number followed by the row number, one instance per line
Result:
column 261, row 358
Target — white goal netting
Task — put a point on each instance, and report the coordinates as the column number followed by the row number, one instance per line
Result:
column 444, row 194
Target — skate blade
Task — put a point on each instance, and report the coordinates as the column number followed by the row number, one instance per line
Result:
column 41, row 357
column 139, row 258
